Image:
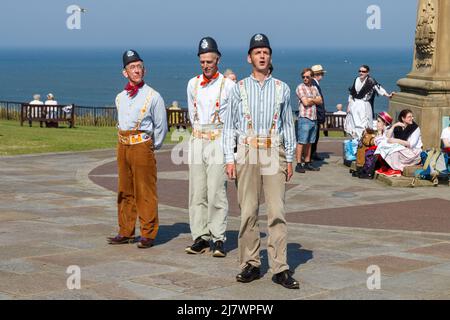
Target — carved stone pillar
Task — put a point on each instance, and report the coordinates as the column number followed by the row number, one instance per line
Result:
column 426, row 89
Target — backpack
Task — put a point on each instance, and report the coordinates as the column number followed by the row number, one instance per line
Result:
column 367, row 140
column 435, row 164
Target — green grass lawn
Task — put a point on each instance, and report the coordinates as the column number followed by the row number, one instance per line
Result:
column 15, row 139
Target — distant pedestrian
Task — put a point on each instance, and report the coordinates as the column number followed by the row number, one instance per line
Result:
column 319, row 73
column 360, row 110
column 230, row 75
column 308, row 99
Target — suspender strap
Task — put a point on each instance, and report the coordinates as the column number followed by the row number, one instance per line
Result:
column 144, row 108
column 216, row 116
column 246, row 109
column 196, row 119
column 278, row 99
column 245, row 106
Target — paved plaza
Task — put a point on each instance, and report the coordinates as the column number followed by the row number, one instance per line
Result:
column 56, row 211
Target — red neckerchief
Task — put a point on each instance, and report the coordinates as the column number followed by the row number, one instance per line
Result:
column 206, row 80
column 133, row 90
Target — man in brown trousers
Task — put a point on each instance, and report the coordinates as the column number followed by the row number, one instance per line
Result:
column 142, row 127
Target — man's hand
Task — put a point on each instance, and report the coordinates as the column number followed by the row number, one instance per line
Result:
column 290, row 171
column 231, row 171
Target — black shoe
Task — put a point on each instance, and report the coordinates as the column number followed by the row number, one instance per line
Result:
column 309, row 167
column 200, row 246
column 145, row 243
column 120, row 240
column 219, row 251
column 248, row 274
column 365, row 176
column 316, row 157
column 284, row 278
column 300, row 168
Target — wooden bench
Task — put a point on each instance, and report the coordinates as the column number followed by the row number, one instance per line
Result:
column 51, row 115
column 333, row 122
column 178, row 118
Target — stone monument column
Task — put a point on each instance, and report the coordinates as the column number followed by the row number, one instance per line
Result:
column 426, row 89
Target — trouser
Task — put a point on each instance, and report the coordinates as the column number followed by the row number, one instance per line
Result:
column 262, row 169
column 208, row 203
column 137, row 195
column 314, row 145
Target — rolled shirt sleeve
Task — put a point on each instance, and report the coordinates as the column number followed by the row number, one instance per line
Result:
column 231, row 125
column 288, row 126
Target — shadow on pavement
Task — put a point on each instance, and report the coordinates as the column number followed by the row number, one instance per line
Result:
column 169, row 232
column 295, row 257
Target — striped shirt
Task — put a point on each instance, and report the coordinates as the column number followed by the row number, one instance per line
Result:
column 154, row 121
column 304, row 91
column 262, row 105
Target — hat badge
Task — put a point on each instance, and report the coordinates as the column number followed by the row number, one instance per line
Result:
column 130, row 53
column 204, row 44
column 258, row 37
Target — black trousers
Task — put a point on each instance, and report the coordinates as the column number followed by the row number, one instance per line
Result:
column 314, row 145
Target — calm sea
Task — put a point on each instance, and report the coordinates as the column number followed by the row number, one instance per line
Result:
column 93, row 77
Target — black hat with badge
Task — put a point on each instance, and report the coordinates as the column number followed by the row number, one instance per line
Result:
column 208, row 44
column 259, row 40
column 130, row 56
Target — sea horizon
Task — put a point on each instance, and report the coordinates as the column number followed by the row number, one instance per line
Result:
column 91, row 76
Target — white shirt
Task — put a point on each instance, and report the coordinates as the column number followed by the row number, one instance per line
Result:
column 36, row 102
column 446, row 134
column 340, row 113
column 51, row 103
column 207, row 97
column 359, row 84
column 415, row 140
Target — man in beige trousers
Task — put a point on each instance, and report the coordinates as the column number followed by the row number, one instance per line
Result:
column 260, row 116
column 207, row 96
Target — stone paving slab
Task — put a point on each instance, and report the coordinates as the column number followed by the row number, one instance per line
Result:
column 48, row 224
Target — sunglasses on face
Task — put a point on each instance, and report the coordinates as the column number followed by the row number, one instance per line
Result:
column 362, row 71
column 306, row 77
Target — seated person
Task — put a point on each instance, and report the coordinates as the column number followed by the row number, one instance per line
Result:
column 339, row 110
column 445, row 139
column 403, row 145
column 369, row 142
column 384, row 120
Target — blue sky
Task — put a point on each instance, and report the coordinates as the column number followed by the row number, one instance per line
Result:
column 180, row 23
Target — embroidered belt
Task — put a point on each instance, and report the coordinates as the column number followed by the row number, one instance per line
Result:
column 134, row 138
column 258, row 142
column 213, row 134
